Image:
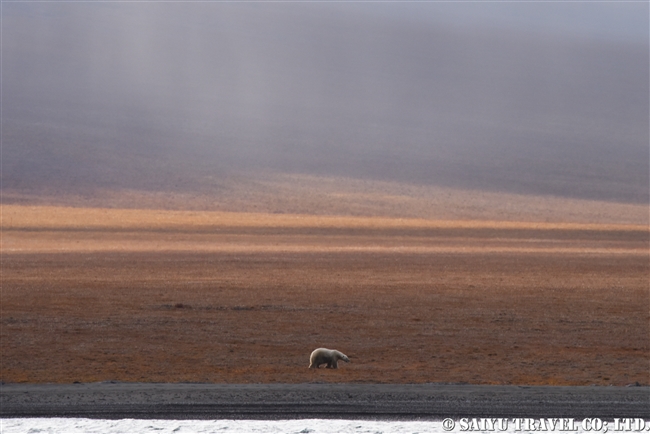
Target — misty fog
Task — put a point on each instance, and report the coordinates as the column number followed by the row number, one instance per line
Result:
column 159, row 96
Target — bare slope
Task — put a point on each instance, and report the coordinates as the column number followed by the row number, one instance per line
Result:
column 281, row 193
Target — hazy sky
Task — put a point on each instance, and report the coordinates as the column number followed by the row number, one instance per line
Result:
column 547, row 98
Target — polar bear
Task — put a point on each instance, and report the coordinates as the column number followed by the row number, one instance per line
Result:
column 323, row 355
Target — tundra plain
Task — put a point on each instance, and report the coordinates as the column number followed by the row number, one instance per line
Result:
column 136, row 295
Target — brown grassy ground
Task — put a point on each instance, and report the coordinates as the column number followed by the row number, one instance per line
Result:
column 92, row 295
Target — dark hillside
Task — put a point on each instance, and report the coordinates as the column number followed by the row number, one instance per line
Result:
column 165, row 97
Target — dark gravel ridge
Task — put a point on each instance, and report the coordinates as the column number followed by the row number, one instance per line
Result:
column 114, row 400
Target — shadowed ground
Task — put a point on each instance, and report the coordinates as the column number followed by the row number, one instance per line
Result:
column 340, row 401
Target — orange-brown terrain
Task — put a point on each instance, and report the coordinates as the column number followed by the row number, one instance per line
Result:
column 163, row 296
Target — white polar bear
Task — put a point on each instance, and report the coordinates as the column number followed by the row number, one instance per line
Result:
column 323, row 355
